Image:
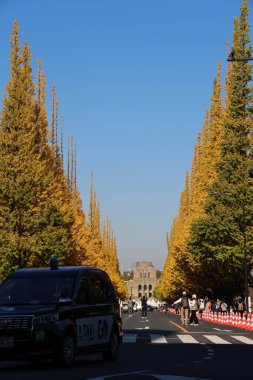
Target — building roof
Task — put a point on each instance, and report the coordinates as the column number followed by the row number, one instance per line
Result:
column 144, row 264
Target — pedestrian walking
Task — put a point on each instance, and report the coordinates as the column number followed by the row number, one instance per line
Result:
column 144, row 307
column 218, row 305
column 201, row 307
column 240, row 307
column 234, row 304
column 224, row 307
column 213, row 306
column 176, row 307
column 194, row 308
column 208, row 305
column 185, row 308
column 130, row 305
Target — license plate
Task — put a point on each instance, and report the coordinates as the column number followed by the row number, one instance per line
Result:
column 6, row 341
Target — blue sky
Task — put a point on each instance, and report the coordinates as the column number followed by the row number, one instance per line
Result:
column 133, row 80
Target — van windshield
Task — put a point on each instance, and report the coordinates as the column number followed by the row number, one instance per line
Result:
column 35, row 290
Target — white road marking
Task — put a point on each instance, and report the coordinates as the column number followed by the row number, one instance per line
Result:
column 160, row 338
column 243, row 339
column 142, row 328
column 187, row 339
column 157, row 338
column 215, row 328
column 216, row 339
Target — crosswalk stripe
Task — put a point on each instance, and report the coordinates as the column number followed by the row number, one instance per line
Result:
column 129, row 338
column 187, row 339
column 216, row 339
column 158, row 338
column 243, row 339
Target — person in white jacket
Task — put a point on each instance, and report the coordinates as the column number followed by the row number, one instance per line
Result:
column 194, row 308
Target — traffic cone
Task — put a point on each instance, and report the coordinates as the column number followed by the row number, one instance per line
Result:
column 240, row 324
column 236, row 320
column 243, row 325
column 248, row 322
column 240, row 321
column 231, row 320
column 251, row 323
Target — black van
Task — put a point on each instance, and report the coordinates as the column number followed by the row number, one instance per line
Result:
column 59, row 312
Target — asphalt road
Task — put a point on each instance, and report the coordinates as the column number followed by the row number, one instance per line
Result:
column 157, row 348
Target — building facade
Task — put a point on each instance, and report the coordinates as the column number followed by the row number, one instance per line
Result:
column 144, row 280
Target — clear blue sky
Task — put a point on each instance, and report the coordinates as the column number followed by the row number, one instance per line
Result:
column 134, row 80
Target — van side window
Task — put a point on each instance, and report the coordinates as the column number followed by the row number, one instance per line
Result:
column 110, row 289
column 83, row 292
column 99, row 291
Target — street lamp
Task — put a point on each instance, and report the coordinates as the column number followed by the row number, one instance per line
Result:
column 233, row 58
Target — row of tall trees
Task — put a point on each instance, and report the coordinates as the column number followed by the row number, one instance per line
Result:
column 210, row 246
column 41, row 211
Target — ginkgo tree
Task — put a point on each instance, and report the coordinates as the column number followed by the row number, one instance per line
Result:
column 223, row 240
column 41, row 211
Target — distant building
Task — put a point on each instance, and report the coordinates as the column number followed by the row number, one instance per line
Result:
column 144, row 280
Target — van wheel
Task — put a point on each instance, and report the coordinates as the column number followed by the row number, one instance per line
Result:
column 66, row 351
column 112, row 350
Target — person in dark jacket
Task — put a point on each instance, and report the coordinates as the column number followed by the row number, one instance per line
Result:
column 144, row 307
